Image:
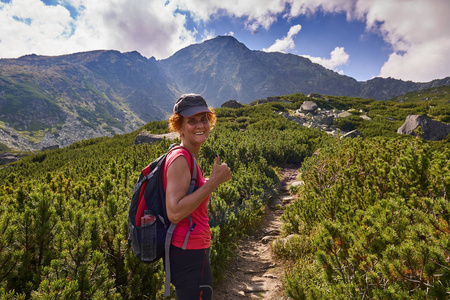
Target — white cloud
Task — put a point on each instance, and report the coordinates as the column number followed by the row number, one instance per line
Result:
column 306, row 7
column 338, row 58
column 26, row 29
column 418, row 32
column 154, row 28
column 287, row 42
column 151, row 27
column 258, row 13
column 420, row 63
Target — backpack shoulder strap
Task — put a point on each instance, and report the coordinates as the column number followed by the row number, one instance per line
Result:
column 193, row 161
column 191, row 189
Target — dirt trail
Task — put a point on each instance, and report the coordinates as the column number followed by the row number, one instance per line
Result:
column 254, row 273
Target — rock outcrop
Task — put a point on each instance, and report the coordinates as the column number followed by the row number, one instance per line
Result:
column 6, row 158
column 309, row 106
column 432, row 130
column 312, row 116
column 232, row 104
column 148, row 138
column 71, row 131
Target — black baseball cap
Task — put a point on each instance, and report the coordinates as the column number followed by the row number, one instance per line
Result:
column 190, row 104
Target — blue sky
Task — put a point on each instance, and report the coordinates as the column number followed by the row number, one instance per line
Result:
column 403, row 39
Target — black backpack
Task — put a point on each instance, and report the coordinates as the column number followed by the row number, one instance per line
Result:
column 152, row 241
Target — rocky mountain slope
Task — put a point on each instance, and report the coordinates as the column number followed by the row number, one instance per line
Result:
column 48, row 101
column 223, row 68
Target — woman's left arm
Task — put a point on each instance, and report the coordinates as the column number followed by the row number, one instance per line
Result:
column 178, row 204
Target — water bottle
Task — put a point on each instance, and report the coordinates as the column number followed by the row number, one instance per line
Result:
column 148, row 236
column 147, row 219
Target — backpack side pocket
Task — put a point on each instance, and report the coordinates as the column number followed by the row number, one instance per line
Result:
column 148, row 242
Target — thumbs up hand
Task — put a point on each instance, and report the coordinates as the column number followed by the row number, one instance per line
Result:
column 220, row 171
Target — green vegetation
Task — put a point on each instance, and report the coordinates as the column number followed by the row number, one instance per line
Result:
column 370, row 222
column 436, row 100
column 372, row 219
column 24, row 99
column 3, row 147
column 63, row 215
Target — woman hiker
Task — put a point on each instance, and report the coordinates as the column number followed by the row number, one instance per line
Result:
column 191, row 269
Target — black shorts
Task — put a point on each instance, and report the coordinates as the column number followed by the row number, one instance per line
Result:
column 191, row 273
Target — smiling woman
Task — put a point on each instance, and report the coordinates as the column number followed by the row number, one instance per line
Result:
column 190, row 268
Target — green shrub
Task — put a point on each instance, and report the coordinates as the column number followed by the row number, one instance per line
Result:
column 3, row 147
column 349, row 123
column 377, row 212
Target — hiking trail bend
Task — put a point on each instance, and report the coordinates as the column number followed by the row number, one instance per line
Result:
column 254, row 273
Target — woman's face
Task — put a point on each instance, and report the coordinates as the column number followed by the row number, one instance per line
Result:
column 195, row 129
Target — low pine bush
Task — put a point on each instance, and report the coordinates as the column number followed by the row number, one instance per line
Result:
column 377, row 213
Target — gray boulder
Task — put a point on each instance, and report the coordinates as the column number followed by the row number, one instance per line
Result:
column 432, row 130
column 148, row 138
column 366, row 117
column 344, row 114
column 232, row 104
column 309, row 106
column 325, row 120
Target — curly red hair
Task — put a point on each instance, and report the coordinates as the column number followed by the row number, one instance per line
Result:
column 175, row 120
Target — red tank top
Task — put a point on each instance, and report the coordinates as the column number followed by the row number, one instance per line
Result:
column 200, row 237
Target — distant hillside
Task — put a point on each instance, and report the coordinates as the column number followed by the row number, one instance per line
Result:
column 47, row 101
column 223, row 69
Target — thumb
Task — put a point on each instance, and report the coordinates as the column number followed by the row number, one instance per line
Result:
column 216, row 160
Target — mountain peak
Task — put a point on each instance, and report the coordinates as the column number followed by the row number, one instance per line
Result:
column 220, row 42
column 225, row 40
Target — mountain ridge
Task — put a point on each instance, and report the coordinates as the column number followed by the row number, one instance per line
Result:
column 57, row 100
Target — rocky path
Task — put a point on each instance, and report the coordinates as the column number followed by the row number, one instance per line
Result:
column 255, row 274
